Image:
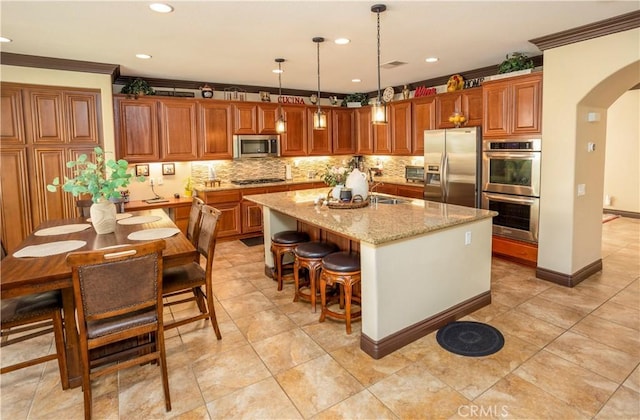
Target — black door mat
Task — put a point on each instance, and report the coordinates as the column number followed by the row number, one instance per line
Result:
column 258, row 240
column 469, row 338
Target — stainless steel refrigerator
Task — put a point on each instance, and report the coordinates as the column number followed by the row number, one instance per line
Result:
column 452, row 166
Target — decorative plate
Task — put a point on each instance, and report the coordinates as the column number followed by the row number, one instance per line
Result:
column 388, row 93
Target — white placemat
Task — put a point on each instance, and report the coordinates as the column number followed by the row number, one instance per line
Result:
column 119, row 216
column 138, row 220
column 149, row 234
column 63, row 230
column 51, row 248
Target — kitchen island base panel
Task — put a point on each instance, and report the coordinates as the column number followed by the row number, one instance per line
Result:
column 274, row 222
column 389, row 344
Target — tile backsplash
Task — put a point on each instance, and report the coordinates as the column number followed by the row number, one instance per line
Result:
column 227, row 170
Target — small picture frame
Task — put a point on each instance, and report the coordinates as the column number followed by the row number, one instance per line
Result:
column 168, row 169
column 142, row 170
column 265, row 96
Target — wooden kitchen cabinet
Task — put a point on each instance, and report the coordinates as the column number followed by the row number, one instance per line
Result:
column 343, row 131
column 267, row 116
column 320, row 141
column 228, row 202
column 466, row 101
column 513, row 107
column 215, row 131
column 12, row 117
column 423, row 118
column 411, row 191
column 178, row 130
column 400, row 121
column 252, row 212
column 364, row 130
column 136, row 122
column 293, row 142
column 43, row 127
column 245, row 118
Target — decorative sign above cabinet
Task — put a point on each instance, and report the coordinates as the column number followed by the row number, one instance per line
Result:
column 291, row 100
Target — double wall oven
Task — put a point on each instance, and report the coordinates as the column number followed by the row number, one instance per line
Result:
column 511, row 186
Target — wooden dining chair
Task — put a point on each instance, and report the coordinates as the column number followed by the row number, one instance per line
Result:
column 118, row 294
column 83, row 207
column 195, row 214
column 31, row 316
column 191, row 277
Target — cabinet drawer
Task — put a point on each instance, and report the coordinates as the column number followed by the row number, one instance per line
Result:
column 250, row 191
column 409, row 191
column 522, row 252
column 213, row 197
column 183, row 212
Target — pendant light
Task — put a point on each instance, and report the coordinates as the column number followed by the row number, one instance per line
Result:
column 379, row 108
column 319, row 117
column 281, row 124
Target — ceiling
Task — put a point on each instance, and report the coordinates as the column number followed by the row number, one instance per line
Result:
column 236, row 42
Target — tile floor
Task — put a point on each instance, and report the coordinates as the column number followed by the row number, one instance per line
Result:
column 569, row 354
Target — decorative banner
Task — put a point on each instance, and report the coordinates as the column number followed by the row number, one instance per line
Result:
column 291, row 100
column 423, row 91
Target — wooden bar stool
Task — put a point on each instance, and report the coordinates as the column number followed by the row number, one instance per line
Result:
column 284, row 243
column 309, row 255
column 343, row 269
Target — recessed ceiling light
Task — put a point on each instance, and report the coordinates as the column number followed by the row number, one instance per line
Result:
column 342, row 41
column 3, row 39
column 356, row 80
column 277, row 71
column 431, row 59
column 161, row 7
column 143, row 56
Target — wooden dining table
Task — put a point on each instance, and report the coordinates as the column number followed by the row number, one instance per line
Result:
column 23, row 276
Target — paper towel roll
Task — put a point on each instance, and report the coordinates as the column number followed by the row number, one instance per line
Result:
column 287, row 172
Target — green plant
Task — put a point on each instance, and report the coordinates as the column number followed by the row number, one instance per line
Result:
column 91, row 177
column 356, row 97
column 335, row 175
column 136, row 87
column 517, row 61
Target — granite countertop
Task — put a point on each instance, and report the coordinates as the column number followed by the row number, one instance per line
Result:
column 375, row 224
column 226, row 185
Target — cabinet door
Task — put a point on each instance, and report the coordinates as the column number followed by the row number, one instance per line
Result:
column 48, row 163
column 344, row 131
column 447, row 104
column 526, row 115
column 229, row 220
column 11, row 122
column 178, row 129
column 294, row 140
column 364, row 131
column 472, row 106
column 214, row 135
column 136, row 123
column 15, row 205
column 83, row 119
column 245, row 118
column 267, row 116
column 44, row 109
column 424, row 116
column 401, row 128
column 411, row 191
column 382, row 139
column 495, row 98
column 319, row 140
column 251, row 217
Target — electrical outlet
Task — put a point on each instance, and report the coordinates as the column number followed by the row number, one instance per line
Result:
column 151, row 182
column 160, row 181
column 467, row 238
column 582, row 189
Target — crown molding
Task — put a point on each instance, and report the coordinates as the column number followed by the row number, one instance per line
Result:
column 593, row 30
column 23, row 60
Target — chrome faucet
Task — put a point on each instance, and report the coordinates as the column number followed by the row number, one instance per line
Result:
column 373, row 185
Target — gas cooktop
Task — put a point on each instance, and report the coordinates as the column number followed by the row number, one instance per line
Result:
column 256, row 181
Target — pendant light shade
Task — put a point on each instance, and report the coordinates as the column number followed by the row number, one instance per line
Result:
column 319, row 117
column 281, row 124
column 379, row 109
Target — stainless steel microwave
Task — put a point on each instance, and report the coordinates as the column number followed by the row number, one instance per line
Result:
column 256, row 145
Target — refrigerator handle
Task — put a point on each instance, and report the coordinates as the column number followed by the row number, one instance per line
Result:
column 444, row 180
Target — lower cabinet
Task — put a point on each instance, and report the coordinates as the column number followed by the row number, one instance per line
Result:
column 516, row 251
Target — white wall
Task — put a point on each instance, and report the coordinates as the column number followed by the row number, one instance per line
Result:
column 622, row 156
column 570, row 226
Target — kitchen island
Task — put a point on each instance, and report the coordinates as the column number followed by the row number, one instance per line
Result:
column 424, row 264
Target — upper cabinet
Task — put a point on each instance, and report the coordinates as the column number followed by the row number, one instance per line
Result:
column 254, row 118
column 343, row 131
column 513, row 107
column 400, row 121
column 215, row 130
column 364, row 130
column 319, row 140
column 136, row 123
column 468, row 102
column 12, row 121
column 267, row 116
column 293, row 142
column 423, row 118
column 178, row 130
